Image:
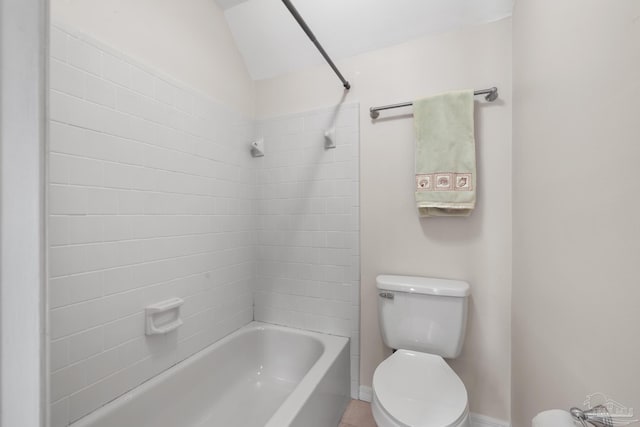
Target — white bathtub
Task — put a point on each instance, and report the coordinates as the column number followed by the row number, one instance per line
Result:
column 260, row 375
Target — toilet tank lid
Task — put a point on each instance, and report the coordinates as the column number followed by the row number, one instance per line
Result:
column 423, row 285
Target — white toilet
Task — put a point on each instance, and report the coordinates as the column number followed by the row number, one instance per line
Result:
column 425, row 320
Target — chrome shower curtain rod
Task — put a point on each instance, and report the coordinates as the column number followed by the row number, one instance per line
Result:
column 315, row 41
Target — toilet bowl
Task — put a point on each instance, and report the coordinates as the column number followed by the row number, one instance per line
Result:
column 418, row 390
column 425, row 319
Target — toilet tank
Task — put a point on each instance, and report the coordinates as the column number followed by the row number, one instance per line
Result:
column 423, row 314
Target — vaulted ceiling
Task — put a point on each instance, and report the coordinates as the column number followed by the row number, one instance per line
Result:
column 272, row 43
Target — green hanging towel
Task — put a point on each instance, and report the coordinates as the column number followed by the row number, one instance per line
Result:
column 445, row 154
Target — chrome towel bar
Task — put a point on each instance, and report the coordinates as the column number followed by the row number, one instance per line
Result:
column 491, row 95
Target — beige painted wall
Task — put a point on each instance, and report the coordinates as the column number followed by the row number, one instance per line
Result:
column 576, row 287
column 188, row 40
column 393, row 239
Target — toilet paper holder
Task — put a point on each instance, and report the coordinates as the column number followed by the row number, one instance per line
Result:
column 598, row 416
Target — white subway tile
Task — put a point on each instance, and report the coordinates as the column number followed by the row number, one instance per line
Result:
column 58, row 169
column 60, row 413
column 73, row 289
column 132, row 153
column 59, row 106
column 123, row 330
column 352, row 270
column 101, row 256
column 337, row 239
column 124, row 304
column 83, row 171
column 86, row 114
column 130, row 202
column 348, row 116
column 82, row 55
column 100, row 91
column 118, row 279
column 65, row 260
column 85, row 229
column 117, row 70
column 59, row 354
column 66, row 381
column 64, row 138
column 65, row 78
column 67, row 200
column 143, row 130
column 142, row 82
column 347, row 153
column 129, row 101
column 134, row 351
column 58, row 230
column 128, row 177
column 183, row 100
column 84, row 345
column 103, row 364
column 117, row 228
column 320, row 121
column 86, row 401
column 165, row 92
column 102, row 201
column 76, row 318
column 58, row 43
column 98, row 145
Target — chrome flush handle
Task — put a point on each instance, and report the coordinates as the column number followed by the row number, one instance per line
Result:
column 387, row 295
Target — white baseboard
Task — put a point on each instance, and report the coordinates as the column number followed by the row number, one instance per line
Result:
column 477, row 420
column 366, row 393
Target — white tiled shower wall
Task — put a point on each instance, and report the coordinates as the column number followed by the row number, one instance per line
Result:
column 149, row 198
column 308, row 258
column 153, row 194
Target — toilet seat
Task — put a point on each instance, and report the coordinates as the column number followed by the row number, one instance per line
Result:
column 419, row 390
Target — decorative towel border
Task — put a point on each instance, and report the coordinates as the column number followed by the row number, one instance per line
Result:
column 444, row 181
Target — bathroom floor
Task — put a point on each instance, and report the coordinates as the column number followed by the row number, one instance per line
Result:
column 358, row 414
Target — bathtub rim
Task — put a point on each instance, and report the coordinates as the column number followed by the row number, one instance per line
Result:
column 332, row 345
